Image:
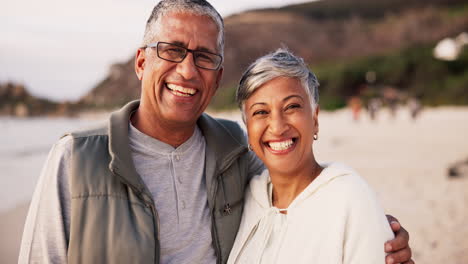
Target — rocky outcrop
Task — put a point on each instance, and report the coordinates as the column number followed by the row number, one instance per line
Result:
column 120, row 86
column 15, row 100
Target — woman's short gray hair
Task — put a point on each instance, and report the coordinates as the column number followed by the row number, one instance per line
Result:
column 281, row 63
column 197, row 7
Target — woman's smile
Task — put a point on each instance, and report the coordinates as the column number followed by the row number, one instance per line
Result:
column 282, row 146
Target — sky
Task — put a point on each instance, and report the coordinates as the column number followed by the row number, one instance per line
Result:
column 60, row 49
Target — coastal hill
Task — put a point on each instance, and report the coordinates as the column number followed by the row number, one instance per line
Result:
column 327, row 34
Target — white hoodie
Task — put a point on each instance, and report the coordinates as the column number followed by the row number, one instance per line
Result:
column 336, row 219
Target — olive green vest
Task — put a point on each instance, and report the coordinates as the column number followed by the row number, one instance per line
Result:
column 113, row 217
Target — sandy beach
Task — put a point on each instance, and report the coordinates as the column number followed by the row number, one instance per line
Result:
column 405, row 161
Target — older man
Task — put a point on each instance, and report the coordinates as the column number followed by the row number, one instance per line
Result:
column 162, row 182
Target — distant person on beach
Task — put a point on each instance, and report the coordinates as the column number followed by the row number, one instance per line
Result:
column 373, row 106
column 391, row 99
column 161, row 182
column 355, row 105
column 299, row 211
column 414, row 106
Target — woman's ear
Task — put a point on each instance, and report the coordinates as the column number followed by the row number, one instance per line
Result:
column 316, row 123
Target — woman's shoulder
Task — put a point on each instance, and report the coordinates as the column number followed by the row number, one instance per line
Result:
column 354, row 193
column 345, row 180
column 260, row 179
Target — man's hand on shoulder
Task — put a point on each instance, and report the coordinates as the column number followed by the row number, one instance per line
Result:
column 398, row 248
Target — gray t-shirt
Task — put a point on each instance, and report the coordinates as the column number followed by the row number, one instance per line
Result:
column 174, row 177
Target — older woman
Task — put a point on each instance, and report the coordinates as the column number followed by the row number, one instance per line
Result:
column 300, row 211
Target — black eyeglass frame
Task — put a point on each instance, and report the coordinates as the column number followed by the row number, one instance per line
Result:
column 156, row 45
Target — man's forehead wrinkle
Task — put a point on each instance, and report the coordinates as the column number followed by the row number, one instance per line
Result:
column 176, row 28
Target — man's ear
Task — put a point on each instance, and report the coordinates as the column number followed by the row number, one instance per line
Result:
column 140, row 60
column 219, row 77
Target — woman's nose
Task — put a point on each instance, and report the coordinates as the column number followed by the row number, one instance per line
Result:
column 278, row 124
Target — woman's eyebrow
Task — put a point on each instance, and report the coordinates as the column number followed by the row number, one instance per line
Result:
column 259, row 103
column 293, row 96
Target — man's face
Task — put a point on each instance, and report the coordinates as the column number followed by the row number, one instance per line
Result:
column 178, row 93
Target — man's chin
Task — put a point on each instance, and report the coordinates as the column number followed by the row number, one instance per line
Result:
column 183, row 117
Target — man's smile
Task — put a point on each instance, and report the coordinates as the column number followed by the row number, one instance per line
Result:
column 180, row 90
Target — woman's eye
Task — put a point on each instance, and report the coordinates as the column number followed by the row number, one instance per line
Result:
column 292, row 106
column 260, row 112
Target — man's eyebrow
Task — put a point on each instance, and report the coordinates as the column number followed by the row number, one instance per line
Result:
column 180, row 43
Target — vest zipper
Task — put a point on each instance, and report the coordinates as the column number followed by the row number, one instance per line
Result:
column 227, row 207
column 157, row 256
column 214, row 232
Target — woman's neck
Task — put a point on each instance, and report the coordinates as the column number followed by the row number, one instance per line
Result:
column 287, row 186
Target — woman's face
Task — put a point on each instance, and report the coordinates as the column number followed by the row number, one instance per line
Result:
column 281, row 124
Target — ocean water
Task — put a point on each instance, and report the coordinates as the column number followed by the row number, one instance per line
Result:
column 24, row 146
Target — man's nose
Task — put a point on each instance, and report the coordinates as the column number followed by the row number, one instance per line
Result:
column 187, row 68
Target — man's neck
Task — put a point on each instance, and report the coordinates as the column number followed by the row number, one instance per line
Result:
column 172, row 134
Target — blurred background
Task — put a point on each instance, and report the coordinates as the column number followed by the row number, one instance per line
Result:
column 393, row 94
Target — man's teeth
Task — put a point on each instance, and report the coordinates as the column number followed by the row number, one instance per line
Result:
column 281, row 145
column 181, row 91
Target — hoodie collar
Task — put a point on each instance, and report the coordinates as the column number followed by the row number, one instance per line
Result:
column 331, row 171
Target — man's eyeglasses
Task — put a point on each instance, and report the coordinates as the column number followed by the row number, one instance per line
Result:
column 175, row 53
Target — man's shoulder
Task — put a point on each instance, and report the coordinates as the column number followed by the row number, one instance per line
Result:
column 231, row 126
column 98, row 130
column 89, row 137
column 222, row 125
column 117, row 121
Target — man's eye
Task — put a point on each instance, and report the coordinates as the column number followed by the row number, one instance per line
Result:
column 172, row 52
column 175, row 50
column 204, row 57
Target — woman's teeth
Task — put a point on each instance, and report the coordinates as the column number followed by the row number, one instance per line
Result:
column 181, row 91
column 282, row 145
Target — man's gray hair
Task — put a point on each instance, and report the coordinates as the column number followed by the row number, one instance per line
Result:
column 281, row 63
column 197, row 7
